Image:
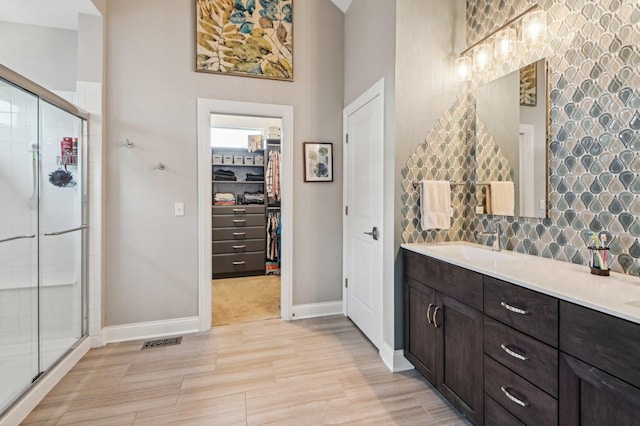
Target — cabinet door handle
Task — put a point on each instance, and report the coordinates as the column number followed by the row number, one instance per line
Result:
column 513, row 308
column 239, row 263
column 239, row 247
column 435, row 312
column 513, row 398
column 429, row 312
column 239, row 210
column 239, row 220
column 239, row 234
column 513, row 353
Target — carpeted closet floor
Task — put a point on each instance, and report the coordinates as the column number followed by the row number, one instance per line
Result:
column 245, row 299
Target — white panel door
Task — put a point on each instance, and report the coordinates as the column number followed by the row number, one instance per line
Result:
column 364, row 199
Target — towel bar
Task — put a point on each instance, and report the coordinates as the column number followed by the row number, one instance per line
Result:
column 417, row 183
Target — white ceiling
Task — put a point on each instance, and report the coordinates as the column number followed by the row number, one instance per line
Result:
column 342, row 4
column 47, row 13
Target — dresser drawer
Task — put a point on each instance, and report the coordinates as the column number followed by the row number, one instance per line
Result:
column 232, row 263
column 461, row 284
column 509, row 347
column 609, row 343
column 238, row 210
column 522, row 399
column 496, row 415
column 228, row 221
column 237, row 234
column 528, row 311
column 224, row 247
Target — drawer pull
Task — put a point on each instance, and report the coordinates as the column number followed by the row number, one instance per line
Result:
column 429, row 312
column 513, row 398
column 242, row 262
column 513, row 309
column 239, row 247
column 239, row 220
column 239, row 234
column 239, row 210
column 513, row 353
column 435, row 312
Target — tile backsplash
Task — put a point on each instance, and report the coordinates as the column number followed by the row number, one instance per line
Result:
column 594, row 154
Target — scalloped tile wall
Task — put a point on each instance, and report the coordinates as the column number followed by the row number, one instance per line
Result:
column 594, row 155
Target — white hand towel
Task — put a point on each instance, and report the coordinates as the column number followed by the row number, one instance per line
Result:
column 502, row 198
column 435, row 204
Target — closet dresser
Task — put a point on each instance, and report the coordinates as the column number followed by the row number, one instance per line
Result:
column 239, row 240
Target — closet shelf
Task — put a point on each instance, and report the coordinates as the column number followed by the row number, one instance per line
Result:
column 237, row 165
column 259, row 182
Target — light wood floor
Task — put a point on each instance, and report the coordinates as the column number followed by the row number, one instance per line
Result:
column 245, row 299
column 307, row 372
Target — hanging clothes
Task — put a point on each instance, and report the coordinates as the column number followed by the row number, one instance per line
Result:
column 272, row 176
column 273, row 243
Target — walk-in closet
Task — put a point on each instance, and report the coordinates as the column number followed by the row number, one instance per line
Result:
column 246, row 220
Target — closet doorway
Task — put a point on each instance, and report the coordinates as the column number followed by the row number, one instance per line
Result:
column 246, row 219
column 245, row 265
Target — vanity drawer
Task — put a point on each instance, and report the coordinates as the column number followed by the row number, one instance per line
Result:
column 238, row 247
column 249, row 233
column 238, row 210
column 532, row 313
column 518, row 396
column 228, row 221
column 507, row 346
column 459, row 283
column 496, row 415
column 612, row 344
column 232, row 263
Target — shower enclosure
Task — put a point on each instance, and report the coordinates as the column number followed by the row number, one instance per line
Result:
column 42, row 232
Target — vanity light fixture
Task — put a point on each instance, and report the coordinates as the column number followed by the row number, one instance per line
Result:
column 534, row 28
column 482, row 57
column 463, row 68
column 534, row 32
column 505, row 44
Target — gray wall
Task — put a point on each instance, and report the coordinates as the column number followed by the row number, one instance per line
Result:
column 151, row 256
column 90, row 62
column 429, row 36
column 370, row 26
column 45, row 55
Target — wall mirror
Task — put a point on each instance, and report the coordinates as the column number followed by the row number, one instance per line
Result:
column 512, row 127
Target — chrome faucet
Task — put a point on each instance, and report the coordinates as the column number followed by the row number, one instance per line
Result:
column 496, row 234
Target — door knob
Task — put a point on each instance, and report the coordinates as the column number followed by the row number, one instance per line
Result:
column 373, row 233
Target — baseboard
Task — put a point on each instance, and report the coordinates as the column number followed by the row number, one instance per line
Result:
column 21, row 409
column 146, row 330
column 313, row 310
column 394, row 360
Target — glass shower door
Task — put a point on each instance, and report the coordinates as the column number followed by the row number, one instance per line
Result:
column 18, row 242
column 62, row 202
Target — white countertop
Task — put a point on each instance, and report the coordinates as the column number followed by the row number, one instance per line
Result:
column 617, row 294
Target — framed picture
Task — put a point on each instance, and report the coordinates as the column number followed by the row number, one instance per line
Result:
column 318, row 161
column 528, row 85
column 251, row 38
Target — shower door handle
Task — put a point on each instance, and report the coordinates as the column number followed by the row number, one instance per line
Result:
column 66, row 231
column 17, row 237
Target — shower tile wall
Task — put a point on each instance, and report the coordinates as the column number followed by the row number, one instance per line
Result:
column 594, row 171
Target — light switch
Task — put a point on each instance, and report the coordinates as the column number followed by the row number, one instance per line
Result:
column 179, row 209
column 541, row 204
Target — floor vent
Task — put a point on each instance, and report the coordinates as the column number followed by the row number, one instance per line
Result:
column 162, row 342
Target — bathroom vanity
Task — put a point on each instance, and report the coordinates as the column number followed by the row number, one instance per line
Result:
column 513, row 339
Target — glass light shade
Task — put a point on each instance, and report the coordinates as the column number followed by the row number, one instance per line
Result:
column 505, row 44
column 482, row 57
column 534, row 28
column 463, row 68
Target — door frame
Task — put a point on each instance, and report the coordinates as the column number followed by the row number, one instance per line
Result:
column 206, row 107
column 375, row 91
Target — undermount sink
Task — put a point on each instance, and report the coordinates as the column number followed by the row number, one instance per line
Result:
column 473, row 253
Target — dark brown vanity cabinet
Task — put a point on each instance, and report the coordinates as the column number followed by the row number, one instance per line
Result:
column 599, row 368
column 443, row 335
